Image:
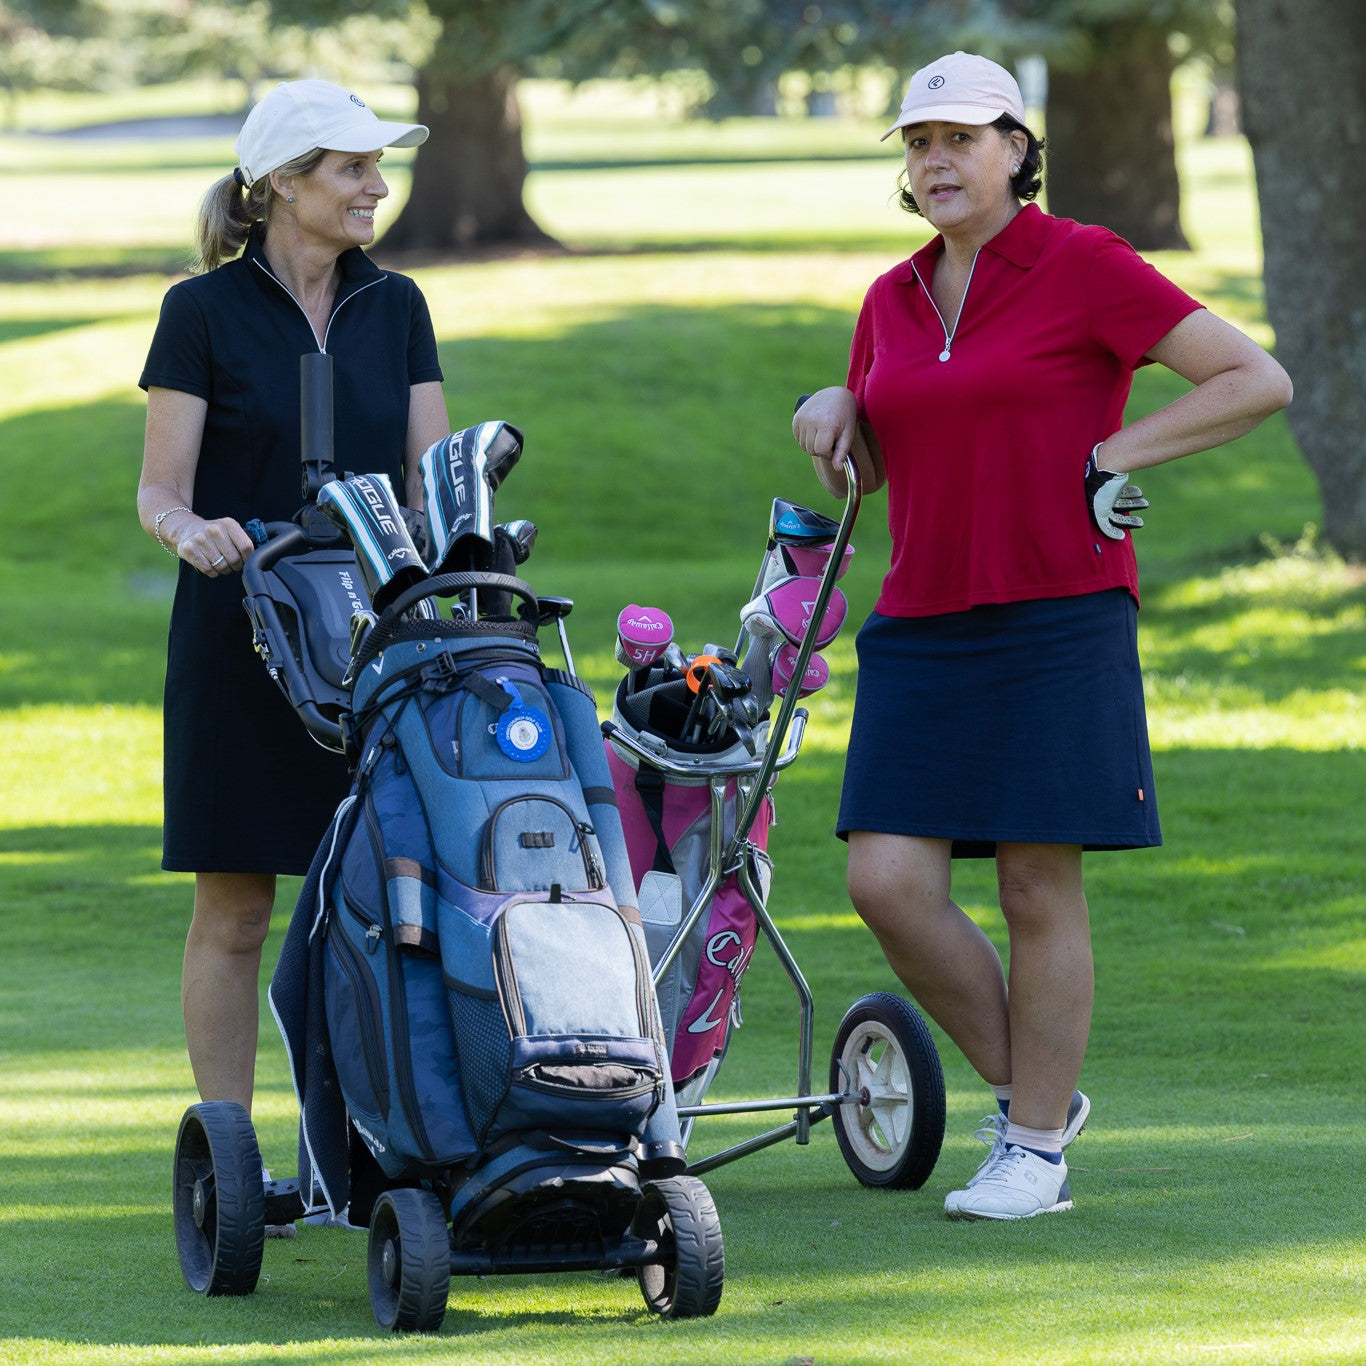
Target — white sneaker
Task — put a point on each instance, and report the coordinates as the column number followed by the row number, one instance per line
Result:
column 1016, row 1185
column 991, row 1130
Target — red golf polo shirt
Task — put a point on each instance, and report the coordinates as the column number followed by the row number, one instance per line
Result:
column 985, row 450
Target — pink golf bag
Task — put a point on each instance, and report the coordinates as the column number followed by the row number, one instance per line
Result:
column 674, row 841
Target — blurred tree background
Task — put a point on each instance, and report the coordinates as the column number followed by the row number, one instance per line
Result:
column 1097, row 76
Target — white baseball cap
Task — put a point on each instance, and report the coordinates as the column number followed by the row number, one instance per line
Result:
column 298, row 116
column 961, row 88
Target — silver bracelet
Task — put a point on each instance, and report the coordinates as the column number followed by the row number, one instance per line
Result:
column 156, row 528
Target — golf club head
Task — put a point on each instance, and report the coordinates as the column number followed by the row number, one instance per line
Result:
column 643, row 634
column 786, row 610
column 792, row 524
column 459, row 476
column 817, row 673
column 364, row 507
column 521, row 535
column 698, row 672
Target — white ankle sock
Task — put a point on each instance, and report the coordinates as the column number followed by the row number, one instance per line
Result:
column 1036, row 1140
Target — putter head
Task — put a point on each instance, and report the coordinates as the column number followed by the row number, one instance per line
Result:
column 364, row 507
column 459, row 476
column 786, row 609
column 792, row 524
column 643, row 634
column 817, row 673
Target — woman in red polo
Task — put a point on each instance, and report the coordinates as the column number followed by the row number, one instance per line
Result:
column 999, row 710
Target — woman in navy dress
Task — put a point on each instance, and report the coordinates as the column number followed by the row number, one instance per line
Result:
column 281, row 271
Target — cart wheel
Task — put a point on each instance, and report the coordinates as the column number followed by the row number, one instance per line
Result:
column 409, row 1262
column 680, row 1214
column 892, row 1135
column 218, row 1199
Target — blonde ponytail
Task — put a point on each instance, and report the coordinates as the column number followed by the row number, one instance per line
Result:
column 229, row 210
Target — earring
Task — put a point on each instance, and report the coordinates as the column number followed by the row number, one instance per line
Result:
column 1014, row 170
column 289, row 198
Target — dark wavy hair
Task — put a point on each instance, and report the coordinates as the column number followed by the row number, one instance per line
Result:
column 1025, row 184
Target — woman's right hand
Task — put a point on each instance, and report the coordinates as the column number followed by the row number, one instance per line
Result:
column 215, row 547
column 825, row 425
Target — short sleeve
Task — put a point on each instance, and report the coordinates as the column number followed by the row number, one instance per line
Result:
column 1132, row 304
column 423, row 364
column 861, row 350
column 180, row 356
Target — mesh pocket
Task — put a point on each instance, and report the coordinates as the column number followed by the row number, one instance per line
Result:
column 485, row 1052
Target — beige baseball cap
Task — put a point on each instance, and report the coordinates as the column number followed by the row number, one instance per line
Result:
column 960, row 88
column 298, row 116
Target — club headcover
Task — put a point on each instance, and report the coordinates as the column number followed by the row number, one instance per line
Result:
column 817, row 673
column 786, row 610
column 809, row 561
column 643, row 634
column 365, row 508
column 460, row 474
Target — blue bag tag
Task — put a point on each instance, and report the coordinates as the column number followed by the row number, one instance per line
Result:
column 523, row 733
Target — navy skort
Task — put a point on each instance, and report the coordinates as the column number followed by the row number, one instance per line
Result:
column 1016, row 721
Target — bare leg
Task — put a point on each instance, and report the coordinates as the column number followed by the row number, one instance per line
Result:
column 899, row 885
column 219, row 983
column 1052, row 980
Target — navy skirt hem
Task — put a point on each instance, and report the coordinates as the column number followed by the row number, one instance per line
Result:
column 1020, row 722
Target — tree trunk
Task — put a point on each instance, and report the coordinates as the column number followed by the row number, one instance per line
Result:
column 1302, row 66
column 468, row 177
column 1111, row 156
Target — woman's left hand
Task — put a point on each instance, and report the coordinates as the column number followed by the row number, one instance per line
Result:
column 1112, row 499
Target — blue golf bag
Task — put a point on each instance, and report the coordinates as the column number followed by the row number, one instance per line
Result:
column 486, row 996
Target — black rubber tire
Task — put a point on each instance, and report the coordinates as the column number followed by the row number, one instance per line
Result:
column 409, row 1261
column 679, row 1212
column 218, row 1199
column 893, row 1137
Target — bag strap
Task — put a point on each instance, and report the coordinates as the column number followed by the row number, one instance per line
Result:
column 650, row 785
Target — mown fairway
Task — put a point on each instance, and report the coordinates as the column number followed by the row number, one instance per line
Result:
column 714, row 275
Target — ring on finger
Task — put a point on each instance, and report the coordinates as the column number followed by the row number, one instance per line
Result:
column 222, row 559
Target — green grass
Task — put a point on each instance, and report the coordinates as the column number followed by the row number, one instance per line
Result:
column 715, row 275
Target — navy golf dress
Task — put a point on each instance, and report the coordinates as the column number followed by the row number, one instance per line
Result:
column 246, row 788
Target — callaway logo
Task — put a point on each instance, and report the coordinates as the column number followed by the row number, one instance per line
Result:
column 935, row 83
column 704, row 1022
column 645, row 623
column 717, row 947
column 356, row 99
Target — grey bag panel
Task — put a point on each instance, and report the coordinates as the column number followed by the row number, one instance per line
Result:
column 554, row 1015
column 535, row 841
column 661, row 913
column 575, row 969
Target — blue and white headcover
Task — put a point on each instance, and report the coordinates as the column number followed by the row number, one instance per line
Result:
column 365, row 508
column 460, row 474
